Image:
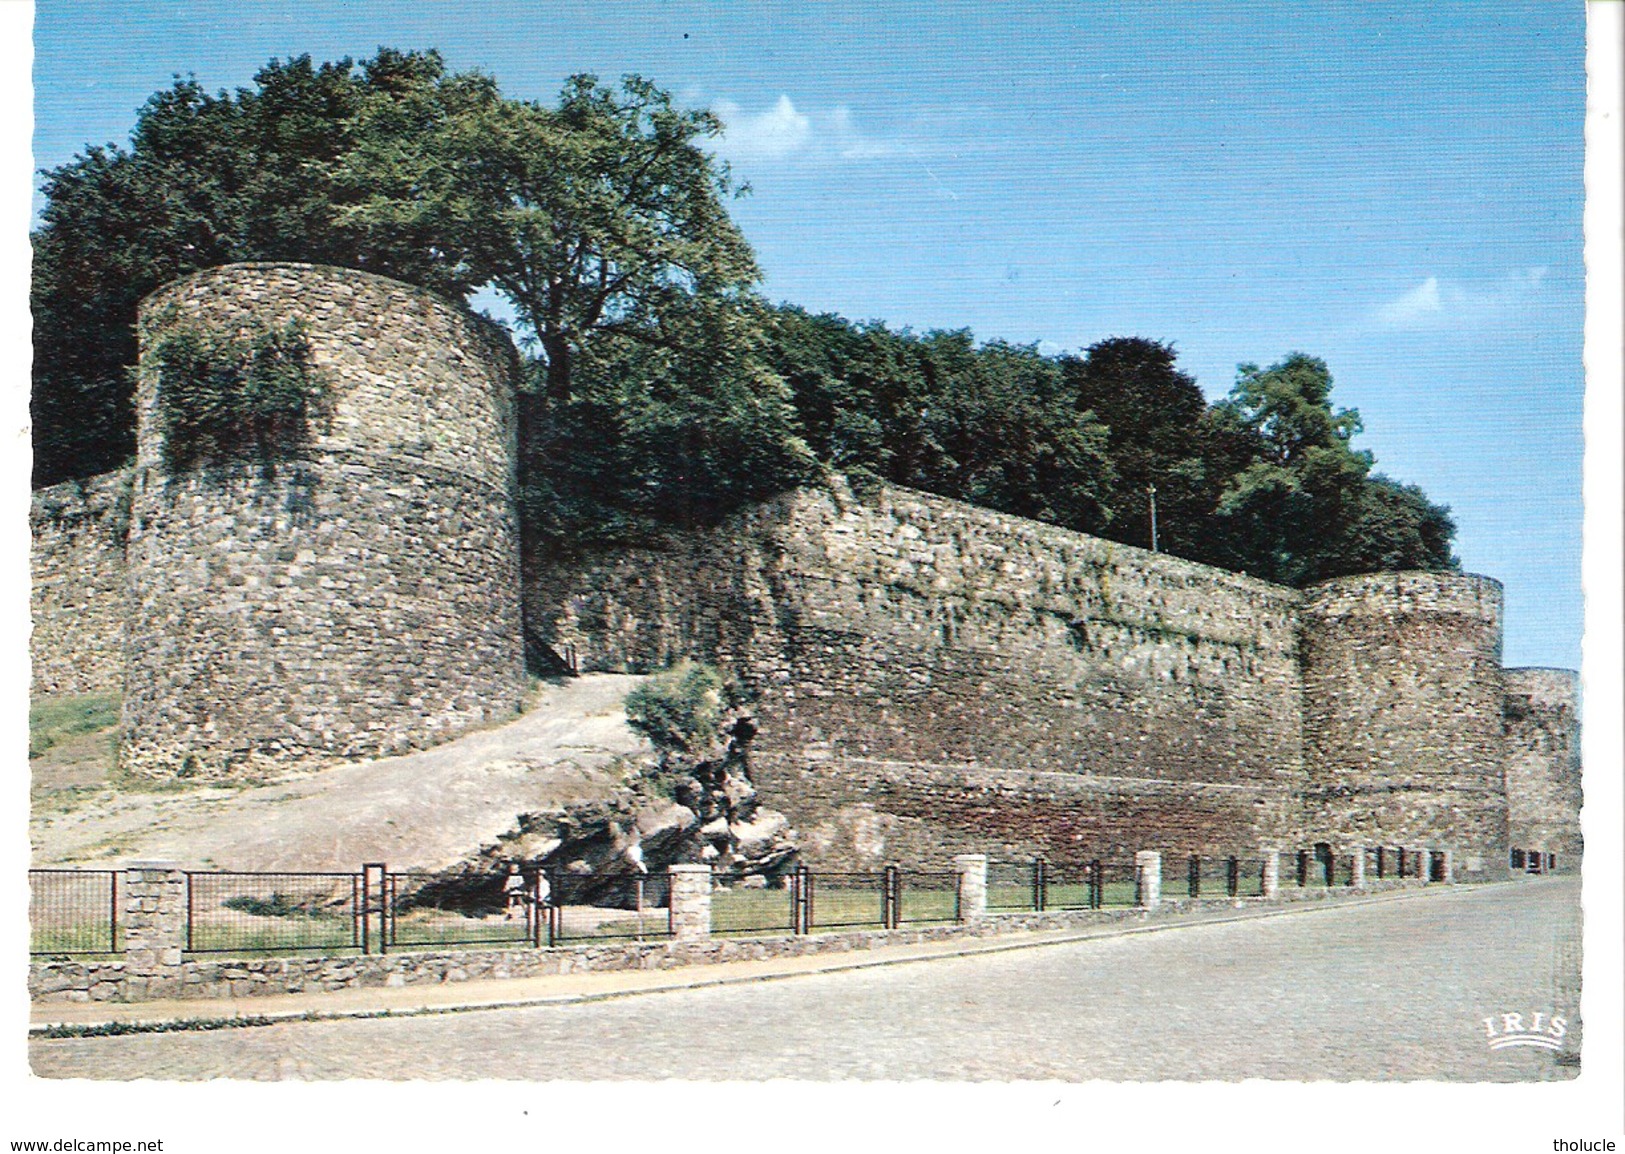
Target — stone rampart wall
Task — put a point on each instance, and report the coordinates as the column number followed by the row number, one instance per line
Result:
column 1543, row 761
column 77, row 595
column 917, row 630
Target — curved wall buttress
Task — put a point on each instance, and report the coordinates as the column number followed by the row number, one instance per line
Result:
column 1402, row 690
column 357, row 599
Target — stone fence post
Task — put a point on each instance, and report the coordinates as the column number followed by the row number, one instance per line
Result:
column 1148, row 879
column 690, row 901
column 154, row 928
column 972, row 869
column 1272, row 873
column 1357, row 867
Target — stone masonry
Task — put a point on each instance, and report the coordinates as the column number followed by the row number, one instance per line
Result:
column 925, row 677
column 77, row 598
column 1402, row 713
column 359, row 600
column 1543, row 760
column 932, row 677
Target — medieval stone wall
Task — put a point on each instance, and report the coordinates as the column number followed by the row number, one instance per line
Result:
column 360, row 599
column 1543, row 761
column 927, row 677
column 77, row 594
column 1146, row 692
column 1403, row 741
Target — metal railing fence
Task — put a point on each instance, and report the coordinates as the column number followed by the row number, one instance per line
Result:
column 609, row 907
column 751, row 904
column 833, row 900
column 428, row 909
column 230, row 912
column 81, row 912
column 74, row 912
column 1015, row 886
column 923, row 897
column 1214, row 876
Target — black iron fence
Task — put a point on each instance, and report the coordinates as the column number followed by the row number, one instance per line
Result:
column 923, row 897
column 841, row 901
column 1204, row 876
column 618, row 906
column 74, row 912
column 1040, row 885
column 272, row 912
column 426, row 909
column 81, row 912
column 1013, row 886
column 743, row 904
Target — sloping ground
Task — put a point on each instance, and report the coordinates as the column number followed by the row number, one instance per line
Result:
column 425, row 810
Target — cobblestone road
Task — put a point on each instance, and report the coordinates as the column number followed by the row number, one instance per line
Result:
column 1389, row 990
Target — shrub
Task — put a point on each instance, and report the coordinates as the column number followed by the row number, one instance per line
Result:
column 225, row 398
column 278, row 905
column 679, row 709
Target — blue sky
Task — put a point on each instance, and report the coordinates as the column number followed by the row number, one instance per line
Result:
column 1394, row 188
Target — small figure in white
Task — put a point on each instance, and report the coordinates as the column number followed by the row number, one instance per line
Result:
column 513, row 892
column 634, row 854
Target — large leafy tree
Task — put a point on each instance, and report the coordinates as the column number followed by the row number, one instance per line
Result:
column 656, row 435
column 206, row 179
column 1007, row 435
column 602, row 217
column 1158, row 435
column 1304, row 508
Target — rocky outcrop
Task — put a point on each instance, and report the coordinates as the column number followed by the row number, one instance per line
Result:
column 678, row 807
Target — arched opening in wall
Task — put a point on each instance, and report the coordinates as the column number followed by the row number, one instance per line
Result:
column 1517, row 859
column 1436, row 871
column 1324, row 862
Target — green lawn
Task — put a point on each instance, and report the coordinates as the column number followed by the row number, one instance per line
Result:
column 56, row 719
column 749, row 911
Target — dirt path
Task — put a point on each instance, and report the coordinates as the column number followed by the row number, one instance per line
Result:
column 421, row 811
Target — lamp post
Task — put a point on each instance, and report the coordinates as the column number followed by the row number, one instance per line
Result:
column 1151, row 494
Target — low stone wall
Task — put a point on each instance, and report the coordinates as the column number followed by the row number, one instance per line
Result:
column 120, row 981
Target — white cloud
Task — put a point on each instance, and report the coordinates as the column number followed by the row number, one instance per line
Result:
column 1421, row 303
column 1443, row 303
column 773, row 134
column 783, row 131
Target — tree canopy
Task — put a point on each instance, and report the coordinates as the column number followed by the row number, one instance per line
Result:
column 206, row 180
column 1265, row 482
column 660, row 389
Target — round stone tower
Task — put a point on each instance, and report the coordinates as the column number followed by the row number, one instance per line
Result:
column 356, row 596
column 1402, row 692
column 1543, row 762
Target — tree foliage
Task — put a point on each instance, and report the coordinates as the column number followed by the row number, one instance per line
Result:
column 1266, row 482
column 660, row 391
column 206, row 180
column 1303, row 506
column 601, row 217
